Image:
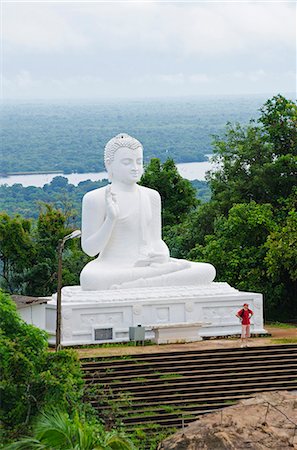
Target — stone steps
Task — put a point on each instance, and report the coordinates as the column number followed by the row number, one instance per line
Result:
column 172, row 389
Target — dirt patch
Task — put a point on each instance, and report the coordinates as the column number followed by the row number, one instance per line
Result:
column 266, row 421
column 282, row 333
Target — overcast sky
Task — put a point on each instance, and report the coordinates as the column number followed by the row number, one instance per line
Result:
column 93, row 50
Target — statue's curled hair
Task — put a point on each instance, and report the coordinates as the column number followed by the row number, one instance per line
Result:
column 121, row 140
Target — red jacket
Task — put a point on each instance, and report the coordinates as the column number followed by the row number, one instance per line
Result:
column 245, row 314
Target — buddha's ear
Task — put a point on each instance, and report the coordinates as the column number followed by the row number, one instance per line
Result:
column 108, row 168
column 108, row 164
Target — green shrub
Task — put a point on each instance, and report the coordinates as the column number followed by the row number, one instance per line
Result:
column 31, row 376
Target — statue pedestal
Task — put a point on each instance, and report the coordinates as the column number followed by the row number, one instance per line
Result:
column 92, row 317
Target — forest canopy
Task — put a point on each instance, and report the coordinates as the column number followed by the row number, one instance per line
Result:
column 70, row 137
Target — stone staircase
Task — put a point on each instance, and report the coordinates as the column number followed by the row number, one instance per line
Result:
column 171, row 389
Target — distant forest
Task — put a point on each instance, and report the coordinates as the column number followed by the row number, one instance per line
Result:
column 70, row 137
column 28, row 201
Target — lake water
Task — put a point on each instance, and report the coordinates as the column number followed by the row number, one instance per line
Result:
column 191, row 171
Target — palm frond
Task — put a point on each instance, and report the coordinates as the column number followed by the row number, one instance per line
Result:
column 117, row 442
column 26, row 444
column 54, row 428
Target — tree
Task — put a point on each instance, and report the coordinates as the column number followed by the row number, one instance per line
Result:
column 253, row 252
column 177, row 194
column 32, row 377
column 257, row 162
column 16, row 250
column 34, row 380
column 237, row 246
column 282, row 249
column 41, row 278
column 21, row 349
column 183, row 237
column 28, row 250
column 279, row 121
column 254, row 178
column 74, row 260
column 281, row 262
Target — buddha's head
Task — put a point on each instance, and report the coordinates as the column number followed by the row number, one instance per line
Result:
column 123, row 158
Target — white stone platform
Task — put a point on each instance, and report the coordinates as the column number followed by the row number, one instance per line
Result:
column 173, row 333
column 90, row 317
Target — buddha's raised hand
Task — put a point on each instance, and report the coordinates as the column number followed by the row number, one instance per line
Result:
column 112, row 208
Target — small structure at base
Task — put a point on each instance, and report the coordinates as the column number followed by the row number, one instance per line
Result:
column 172, row 333
column 31, row 309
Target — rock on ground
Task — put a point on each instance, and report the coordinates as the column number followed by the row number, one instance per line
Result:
column 266, row 421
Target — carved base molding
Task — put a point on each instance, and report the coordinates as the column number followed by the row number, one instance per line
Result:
column 92, row 317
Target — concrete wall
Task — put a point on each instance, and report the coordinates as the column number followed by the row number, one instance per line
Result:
column 34, row 315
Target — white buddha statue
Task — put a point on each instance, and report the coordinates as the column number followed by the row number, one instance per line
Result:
column 121, row 223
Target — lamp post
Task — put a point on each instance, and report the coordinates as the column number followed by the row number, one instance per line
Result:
column 73, row 235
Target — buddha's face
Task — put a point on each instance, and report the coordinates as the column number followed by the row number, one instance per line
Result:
column 127, row 166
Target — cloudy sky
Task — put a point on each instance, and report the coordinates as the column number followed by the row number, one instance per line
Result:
column 93, row 50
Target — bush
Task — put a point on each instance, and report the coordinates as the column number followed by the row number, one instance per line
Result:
column 31, row 376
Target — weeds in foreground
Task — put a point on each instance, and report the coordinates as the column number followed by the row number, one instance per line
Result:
column 149, row 437
column 171, row 375
column 284, row 340
column 281, row 325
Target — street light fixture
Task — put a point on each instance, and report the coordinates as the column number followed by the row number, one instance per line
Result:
column 73, row 235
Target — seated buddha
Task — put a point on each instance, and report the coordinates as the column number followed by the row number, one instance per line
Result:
column 121, row 225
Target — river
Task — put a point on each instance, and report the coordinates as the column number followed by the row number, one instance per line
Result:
column 191, row 171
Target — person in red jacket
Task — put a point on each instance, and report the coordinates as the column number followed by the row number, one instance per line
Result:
column 244, row 315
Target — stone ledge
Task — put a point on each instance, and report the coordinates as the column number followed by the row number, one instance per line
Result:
column 76, row 294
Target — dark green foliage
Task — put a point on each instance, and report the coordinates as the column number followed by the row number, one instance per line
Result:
column 51, row 226
column 248, row 229
column 177, row 194
column 151, row 436
column 56, row 430
column 32, row 377
column 279, row 121
column 28, row 251
column 41, row 393
column 61, row 380
column 282, row 249
column 258, row 162
column 237, row 246
column 281, row 263
column 16, row 248
column 182, row 237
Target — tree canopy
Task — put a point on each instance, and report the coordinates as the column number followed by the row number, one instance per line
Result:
column 28, row 251
column 177, row 194
column 248, row 228
column 31, row 377
column 259, row 161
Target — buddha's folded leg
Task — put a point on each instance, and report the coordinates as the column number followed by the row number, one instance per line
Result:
column 99, row 276
column 195, row 274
